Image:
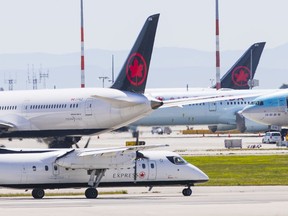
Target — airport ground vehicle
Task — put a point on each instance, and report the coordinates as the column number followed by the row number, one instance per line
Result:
column 271, row 137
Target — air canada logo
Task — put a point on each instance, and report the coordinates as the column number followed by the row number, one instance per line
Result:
column 142, row 174
column 241, row 75
column 136, row 69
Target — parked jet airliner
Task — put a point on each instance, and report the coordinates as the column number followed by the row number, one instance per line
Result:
column 93, row 168
column 219, row 115
column 85, row 111
column 270, row 109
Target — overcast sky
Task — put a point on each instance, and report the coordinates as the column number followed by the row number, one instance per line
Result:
column 53, row 26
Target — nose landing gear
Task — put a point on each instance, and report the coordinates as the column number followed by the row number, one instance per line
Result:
column 187, row 191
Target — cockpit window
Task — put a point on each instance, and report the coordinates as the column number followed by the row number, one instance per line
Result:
column 259, row 103
column 176, row 160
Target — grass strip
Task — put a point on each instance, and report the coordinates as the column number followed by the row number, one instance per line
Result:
column 243, row 170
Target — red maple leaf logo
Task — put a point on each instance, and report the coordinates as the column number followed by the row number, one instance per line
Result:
column 242, row 76
column 142, row 174
column 136, row 69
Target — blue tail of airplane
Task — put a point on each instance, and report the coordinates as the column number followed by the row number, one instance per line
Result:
column 240, row 73
column 134, row 73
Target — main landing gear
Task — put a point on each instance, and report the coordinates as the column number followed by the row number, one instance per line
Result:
column 91, row 193
column 95, row 178
column 38, row 193
column 187, row 191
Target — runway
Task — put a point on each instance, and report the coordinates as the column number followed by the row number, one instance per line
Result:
column 266, row 200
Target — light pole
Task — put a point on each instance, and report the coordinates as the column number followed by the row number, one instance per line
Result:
column 103, row 79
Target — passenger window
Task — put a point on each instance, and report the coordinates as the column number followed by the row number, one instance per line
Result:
column 143, row 166
column 152, row 166
column 34, row 168
column 46, row 168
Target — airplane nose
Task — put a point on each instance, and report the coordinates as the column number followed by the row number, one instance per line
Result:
column 198, row 174
column 247, row 112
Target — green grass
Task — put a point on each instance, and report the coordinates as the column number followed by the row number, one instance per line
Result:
column 243, row 170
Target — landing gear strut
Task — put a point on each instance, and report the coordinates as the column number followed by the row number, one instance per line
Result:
column 187, row 191
column 95, row 178
column 38, row 193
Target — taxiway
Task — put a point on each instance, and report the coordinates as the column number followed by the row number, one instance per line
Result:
column 216, row 201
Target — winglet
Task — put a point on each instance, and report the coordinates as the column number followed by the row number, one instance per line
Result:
column 134, row 73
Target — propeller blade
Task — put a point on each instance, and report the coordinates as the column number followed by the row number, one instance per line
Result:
column 87, row 143
column 140, row 155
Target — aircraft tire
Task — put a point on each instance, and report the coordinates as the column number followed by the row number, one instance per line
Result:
column 38, row 193
column 187, row 191
column 91, row 193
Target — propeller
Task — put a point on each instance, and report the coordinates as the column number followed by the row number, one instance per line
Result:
column 86, row 145
column 139, row 155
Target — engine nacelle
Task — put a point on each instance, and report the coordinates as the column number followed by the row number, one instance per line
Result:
column 221, row 127
column 246, row 125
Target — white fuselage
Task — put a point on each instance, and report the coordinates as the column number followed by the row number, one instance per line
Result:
column 68, row 111
column 209, row 113
column 270, row 109
column 39, row 169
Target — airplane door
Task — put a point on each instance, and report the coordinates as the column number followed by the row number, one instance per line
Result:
column 212, row 106
column 142, row 170
column 146, row 170
column 88, row 107
column 23, row 175
column 282, row 104
column 25, row 107
column 55, row 168
column 152, row 170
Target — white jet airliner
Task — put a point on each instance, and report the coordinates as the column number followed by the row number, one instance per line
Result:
column 93, row 168
column 270, row 109
column 221, row 113
column 85, row 111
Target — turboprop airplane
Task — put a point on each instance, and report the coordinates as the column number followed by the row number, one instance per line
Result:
column 71, row 113
column 270, row 109
column 93, row 168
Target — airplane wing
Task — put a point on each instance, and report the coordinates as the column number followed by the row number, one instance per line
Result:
column 115, row 151
column 205, row 99
column 103, row 158
column 6, row 126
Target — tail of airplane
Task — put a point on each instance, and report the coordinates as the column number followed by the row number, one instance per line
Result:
column 134, row 73
column 239, row 74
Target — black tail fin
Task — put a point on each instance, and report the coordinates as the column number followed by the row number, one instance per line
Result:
column 239, row 74
column 134, row 73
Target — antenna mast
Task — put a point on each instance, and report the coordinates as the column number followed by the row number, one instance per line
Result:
column 218, row 83
column 82, row 48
